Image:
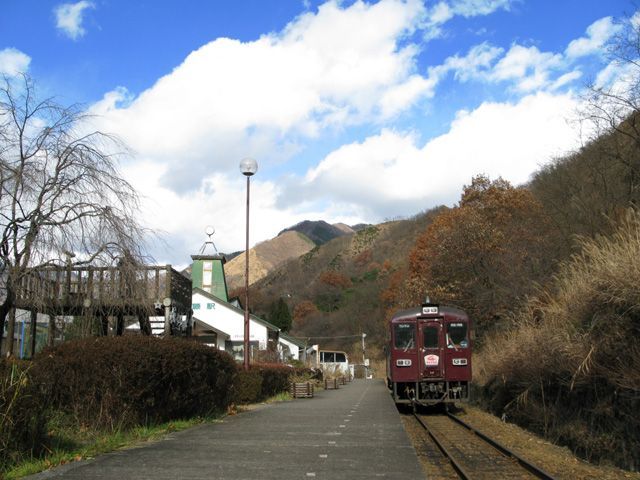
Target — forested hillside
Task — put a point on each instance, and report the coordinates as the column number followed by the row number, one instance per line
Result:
column 335, row 289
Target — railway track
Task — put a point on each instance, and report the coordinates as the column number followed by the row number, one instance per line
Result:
column 474, row 455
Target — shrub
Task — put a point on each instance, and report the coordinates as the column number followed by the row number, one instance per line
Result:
column 247, row 387
column 275, row 378
column 265, row 380
column 22, row 413
column 123, row 381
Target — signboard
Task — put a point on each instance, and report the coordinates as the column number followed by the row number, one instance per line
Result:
column 240, row 336
column 459, row 361
column 431, row 360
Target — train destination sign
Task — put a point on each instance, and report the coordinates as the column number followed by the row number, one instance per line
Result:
column 429, row 309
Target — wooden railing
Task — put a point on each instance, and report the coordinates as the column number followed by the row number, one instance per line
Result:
column 73, row 288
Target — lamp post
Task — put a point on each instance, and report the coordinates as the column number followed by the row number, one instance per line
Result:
column 248, row 167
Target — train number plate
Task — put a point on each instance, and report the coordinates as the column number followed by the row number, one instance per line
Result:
column 403, row 362
column 459, row 361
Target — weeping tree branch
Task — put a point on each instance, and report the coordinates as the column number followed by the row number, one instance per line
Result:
column 60, row 190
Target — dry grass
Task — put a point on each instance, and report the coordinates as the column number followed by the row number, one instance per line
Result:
column 570, row 366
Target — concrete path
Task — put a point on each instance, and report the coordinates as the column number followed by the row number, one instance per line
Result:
column 351, row 433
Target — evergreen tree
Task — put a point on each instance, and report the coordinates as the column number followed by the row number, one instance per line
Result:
column 279, row 315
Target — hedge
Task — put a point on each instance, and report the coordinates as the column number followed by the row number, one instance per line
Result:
column 130, row 380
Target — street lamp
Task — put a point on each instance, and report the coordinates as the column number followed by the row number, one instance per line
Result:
column 248, row 167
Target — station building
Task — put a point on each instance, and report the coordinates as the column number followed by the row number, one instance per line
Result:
column 219, row 322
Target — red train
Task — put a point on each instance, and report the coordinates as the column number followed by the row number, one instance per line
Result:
column 429, row 355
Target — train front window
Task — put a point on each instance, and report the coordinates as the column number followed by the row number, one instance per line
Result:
column 457, row 335
column 430, row 337
column 404, row 335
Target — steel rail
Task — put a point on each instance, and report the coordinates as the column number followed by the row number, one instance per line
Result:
column 460, row 470
column 538, row 472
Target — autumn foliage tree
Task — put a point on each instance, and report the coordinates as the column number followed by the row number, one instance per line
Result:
column 303, row 310
column 484, row 255
column 335, row 279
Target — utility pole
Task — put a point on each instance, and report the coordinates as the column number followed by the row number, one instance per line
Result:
column 363, row 350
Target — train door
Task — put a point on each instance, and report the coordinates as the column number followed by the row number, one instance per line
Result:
column 432, row 351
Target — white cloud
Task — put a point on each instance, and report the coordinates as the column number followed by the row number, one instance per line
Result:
column 397, row 98
column 13, row 61
column 528, row 66
column 474, row 65
column 219, row 201
column 473, row 8
column 440, row 13
column 598, row 33
column 69, row 17
column 228, row 99
column 616, row 77
column 391, row 173
column 328, row 70
column 444, row 11
column 566, row 79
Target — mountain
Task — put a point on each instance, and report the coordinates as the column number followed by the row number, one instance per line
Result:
column 319, row 231
column 266, row 256
column 340, row 282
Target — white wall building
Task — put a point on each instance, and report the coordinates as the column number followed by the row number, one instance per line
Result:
column 210, row 311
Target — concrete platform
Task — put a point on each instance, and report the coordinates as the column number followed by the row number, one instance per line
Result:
column 351, row 433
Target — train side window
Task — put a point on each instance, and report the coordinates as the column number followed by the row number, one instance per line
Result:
column 457, row 335
column 340, row 358
column 430, row 337
column 404, row 335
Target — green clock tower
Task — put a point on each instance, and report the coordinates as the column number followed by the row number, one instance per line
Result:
column 207, row 273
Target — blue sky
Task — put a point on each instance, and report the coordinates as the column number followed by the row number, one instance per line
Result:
column 355, row 111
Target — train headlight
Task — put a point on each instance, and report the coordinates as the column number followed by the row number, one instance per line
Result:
column 403, row 362
column 459, row 361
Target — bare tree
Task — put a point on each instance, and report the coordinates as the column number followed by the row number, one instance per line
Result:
column 62, row 198
column 612, row 104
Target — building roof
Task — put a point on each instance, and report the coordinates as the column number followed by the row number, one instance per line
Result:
column 208, row 327
column 262, row 322
column 293, row 340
